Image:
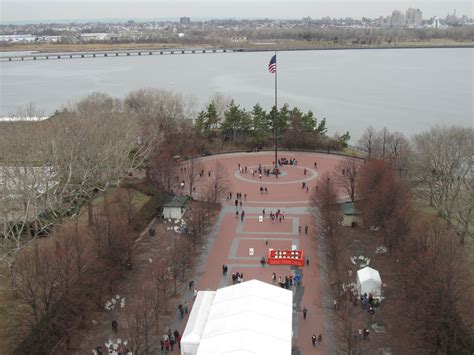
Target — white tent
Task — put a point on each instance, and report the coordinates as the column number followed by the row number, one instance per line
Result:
column 196, row 322
column 252, row 317
column 369, row 281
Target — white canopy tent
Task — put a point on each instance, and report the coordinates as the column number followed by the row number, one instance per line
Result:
column 252, row 317
column 196, row 322
column 369, row 281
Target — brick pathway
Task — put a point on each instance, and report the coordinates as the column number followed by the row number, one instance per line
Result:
column 231, row 238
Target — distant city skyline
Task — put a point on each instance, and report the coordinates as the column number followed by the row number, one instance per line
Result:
column 60, row 10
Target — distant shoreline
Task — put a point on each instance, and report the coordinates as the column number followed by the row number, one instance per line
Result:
column 252, row 47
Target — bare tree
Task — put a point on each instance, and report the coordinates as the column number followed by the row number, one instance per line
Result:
column 368, row 140
column 347, row 172
column 163, row 169
column 384, row 137
column 125, row 201
column 197, row 224
column 192, row 172
column 441, row 165
column 140, row 321
column 218, row 183
column 324, row 205
column 386, row 202
column 438, row 286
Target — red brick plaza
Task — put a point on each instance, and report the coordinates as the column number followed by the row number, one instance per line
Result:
column 232, row 238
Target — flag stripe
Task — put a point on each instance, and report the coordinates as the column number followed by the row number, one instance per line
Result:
column 272, row 66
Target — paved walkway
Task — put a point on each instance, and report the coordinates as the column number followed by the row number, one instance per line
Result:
column 231, row 238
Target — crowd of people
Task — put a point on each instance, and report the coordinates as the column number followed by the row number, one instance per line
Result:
column 284, row 282
column 169, row 340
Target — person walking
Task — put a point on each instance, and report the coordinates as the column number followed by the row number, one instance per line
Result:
column 186, row 307
column 305, row 312
column 320, row 338
column 114, row 326
column 299, row 229
column 172, row 341
column 313, row 339
column 306, row 229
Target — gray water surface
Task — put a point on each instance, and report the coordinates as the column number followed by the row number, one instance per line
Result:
column 408, row 90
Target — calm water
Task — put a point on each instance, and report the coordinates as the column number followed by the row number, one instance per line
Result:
column 404, row 89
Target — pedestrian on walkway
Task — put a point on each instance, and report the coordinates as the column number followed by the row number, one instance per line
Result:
column 195, row 293
column 186, row 307
column 320, row 338
column 299, row 229
column 307, row 261
column 172, row 341
column 313, row 339
column 306, row 229
column 305, row 311
column 366, row 334
column 114, row 326
column 242, row 216
column 236, row 214
column 191, row 284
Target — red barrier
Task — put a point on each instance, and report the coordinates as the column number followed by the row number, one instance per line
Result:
column 285, row 257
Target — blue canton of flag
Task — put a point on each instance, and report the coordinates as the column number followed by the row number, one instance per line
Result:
column 272, row 66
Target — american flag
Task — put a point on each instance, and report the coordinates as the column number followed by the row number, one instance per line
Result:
column 272, row 66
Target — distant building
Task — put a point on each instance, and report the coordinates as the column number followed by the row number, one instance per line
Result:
column 87, row 37
column 435, row 22
column 238, row 39
column 397, row 19
column 413, row 17
column 452, row 19
column 184, row 21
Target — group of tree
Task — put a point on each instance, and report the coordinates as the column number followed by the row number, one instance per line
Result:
column 58, row 282
column 344, row 36
column 437, row 164
column 434, row 269
column 441, row 169
column 51, row 172
column 227, row 121
column 52, row 168
column 391, row 147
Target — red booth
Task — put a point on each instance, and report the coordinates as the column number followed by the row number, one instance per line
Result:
column 285, row 257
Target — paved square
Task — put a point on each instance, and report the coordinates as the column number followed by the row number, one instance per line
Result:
column 232, row 238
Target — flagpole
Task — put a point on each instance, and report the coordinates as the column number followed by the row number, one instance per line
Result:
column 275, row 119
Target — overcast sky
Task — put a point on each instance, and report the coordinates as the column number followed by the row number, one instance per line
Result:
column 24, row 10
